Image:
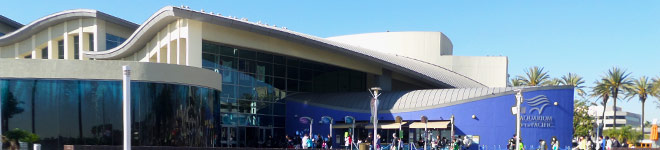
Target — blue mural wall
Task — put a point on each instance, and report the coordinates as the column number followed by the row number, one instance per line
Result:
column 494, row 123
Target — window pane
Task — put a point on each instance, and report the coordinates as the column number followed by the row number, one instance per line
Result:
column 247, row 54
column 264, row 57
column 228, row 51
column 279, row 71
column 208, row 60
column 277, row 59
column 292, row 73
column 292, row 85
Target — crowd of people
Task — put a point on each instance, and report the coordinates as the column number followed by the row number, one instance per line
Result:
column 309, row 142
column 511, row 145
column 602, row 143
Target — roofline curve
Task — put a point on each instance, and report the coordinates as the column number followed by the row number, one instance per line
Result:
column 436, row 75
column 40, row 24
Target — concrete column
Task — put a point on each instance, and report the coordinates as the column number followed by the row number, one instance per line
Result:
column 16, row 45
column 65, row 36
column 384, row 81
column 35, row 53
column 194, row 44
column 178, row 42
column 51, row 53
column 168, row 37
column 99, row 35
column 81, row 40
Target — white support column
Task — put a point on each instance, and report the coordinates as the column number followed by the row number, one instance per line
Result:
column 158, row 45
column 51, row 54
column 81, row 38
column 194, row 44
column 35, row 54
column 169, row 38
column 65, row 37
column 127, row 106
column 178, row 42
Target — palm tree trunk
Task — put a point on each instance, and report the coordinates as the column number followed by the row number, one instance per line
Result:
column 614, row 124
column 614, row 95
column 602, row 121
column 643, row 100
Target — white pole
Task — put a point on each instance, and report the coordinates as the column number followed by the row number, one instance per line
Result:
column 311, row 122
column 127, row 107
column 352, row 133
column 519, row 100
column 375, row 112
column 1, row 115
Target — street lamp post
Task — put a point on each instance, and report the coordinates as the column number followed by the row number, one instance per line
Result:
column 331, row 121
column 127, row 106
column 425, row 120
column 346, row 119
column 374, row 111
column 311, row 122
column 519, row 99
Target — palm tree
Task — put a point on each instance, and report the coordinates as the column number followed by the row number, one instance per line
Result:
column 616, row 79
column 534, row 76
column 552, row 82
column 517, row 82
column 601, row 91
column 641, row 88
column 574, row 80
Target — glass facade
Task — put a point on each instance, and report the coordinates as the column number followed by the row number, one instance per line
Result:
column 255, row 83
column 112, row 41
column 64, row 112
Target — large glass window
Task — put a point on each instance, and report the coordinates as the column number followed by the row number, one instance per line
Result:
column 112, row 41
column 254, row 83
column 72, row 112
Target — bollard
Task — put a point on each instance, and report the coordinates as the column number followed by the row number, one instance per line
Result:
column 36, row 146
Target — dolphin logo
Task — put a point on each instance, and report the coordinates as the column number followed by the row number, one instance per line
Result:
column 538, row 103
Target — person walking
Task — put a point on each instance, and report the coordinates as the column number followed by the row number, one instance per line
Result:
column 395, row 142
column 590, row 144
column 599, row 143
column 582, row 143
column 522, row 146
column 542, row 145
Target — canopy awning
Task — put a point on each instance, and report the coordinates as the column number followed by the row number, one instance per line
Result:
column 389, row 125
column 434, row 124
column 343, row 126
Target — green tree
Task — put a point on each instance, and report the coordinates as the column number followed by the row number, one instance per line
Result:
column 574, row 80
column 534, row 76
column 617, row 80
column 582, row 121
column 626, row 132
column 517, row 82
column 642, row 88
column 552, row 82
column 601, row 91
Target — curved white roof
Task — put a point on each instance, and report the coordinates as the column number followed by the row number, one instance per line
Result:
column 424, row 71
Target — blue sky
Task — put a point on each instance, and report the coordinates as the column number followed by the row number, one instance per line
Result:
column 583, row 37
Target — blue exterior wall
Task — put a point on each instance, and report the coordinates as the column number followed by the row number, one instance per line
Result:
column 494, row 121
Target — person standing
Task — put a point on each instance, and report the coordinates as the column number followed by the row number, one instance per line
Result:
column 522, row 146
column 328, row 142
column 590, row 144
column 466, row 142
column 599, row 143
column 542, row 145
column 512, row 143
column 582, row 144
column 555, row 143
column 304, row 141
column 347, row 141
column 454, row 144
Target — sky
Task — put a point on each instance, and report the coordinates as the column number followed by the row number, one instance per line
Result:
column 583, row 37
